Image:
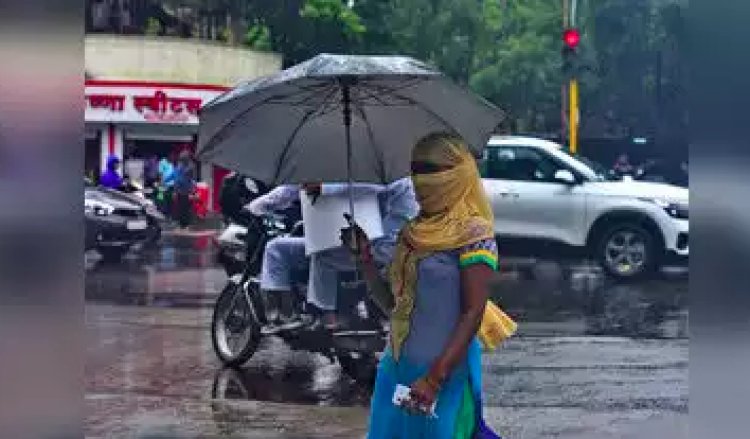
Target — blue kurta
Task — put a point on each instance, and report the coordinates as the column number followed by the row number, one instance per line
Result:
column 436, row 313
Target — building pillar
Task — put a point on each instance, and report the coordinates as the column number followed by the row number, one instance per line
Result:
column 207, row 176
column 111, row 144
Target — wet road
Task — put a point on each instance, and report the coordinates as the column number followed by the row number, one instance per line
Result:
column 591, row 360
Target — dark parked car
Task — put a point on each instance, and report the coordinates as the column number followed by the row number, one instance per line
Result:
column 115, row 222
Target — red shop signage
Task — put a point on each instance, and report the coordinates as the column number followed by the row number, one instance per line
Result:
column 159, row 107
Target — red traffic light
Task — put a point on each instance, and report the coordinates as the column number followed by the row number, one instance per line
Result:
column 571, row 37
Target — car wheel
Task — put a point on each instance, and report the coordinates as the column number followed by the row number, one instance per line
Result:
column 112, row 254
column 627, row 251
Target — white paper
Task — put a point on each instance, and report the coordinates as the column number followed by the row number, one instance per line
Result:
column 325, row 219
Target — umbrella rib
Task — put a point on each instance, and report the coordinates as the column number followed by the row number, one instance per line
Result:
column 429, row 111
column 378, row 151
column 288, row 144
column 374, row 89
column 230, row 124
column 309, row 114
column 328, row 104
column 313, row 90
column 216, row 138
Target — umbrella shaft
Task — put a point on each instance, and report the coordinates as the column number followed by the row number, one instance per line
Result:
column 345, row 92
column 347, row 101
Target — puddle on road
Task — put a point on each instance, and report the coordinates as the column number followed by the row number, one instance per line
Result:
column 182, row 273
column 316, row 383
column 549, row 292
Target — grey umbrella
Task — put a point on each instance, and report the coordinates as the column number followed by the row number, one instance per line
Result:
column 338, row 118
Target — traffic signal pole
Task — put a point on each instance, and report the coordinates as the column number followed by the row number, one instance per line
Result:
column 573, row 115
column 564, row 86
column 571, row 38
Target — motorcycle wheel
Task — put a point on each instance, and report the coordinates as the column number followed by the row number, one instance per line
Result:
column 359, row 367
column 235, row 328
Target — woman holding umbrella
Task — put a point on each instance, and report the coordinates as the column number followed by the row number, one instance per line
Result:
column 437, row 293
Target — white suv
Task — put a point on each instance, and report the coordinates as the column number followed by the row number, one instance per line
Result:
column 540, row 192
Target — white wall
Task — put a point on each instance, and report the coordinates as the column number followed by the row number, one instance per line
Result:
column 174, row 60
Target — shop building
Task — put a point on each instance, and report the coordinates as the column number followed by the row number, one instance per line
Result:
column 143, row 93
column 138, row 120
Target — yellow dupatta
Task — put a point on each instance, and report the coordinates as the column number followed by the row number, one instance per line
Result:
column 454, row 213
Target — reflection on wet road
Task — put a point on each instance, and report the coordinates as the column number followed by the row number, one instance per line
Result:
column 592, row 358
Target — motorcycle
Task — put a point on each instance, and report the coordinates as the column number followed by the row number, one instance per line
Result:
column 237, row 191
column 232, row 241
column 240, row 313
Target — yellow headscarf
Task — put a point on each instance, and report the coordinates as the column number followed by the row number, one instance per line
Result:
column 454, row 213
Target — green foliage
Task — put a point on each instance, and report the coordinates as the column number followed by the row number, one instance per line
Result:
column 630, row 63
column 300, row 29
column 153, row 27
column 637, row 56
column 258, row 37
column 518, row 61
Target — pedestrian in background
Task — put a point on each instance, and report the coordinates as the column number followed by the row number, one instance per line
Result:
column 184, row 188
column 151, row 171
column 166, row 177
column 622, row 166
column 111, row 177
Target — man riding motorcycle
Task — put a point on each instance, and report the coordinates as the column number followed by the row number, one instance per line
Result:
column 284, row 256
column 236, row 192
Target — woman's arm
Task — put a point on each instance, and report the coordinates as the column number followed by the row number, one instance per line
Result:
column 474, row 294
column 377, row 285
column 380, row 290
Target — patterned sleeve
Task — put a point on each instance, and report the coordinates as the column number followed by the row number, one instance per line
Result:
column 480, row 252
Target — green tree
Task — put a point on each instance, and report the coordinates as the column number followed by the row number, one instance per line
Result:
column 300, row 29
column 506, row 51
column 517, row 61
column 638, row 67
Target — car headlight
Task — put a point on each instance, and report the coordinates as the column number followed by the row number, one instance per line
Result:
column 97, row 208
column 675, row 209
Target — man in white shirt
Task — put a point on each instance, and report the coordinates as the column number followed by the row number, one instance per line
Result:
column 285, row 255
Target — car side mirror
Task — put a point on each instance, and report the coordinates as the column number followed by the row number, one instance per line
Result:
column 565, row 176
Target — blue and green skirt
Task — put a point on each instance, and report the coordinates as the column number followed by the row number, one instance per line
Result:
column 459, row 404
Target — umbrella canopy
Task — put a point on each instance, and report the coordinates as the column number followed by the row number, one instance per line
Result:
column 338, row 118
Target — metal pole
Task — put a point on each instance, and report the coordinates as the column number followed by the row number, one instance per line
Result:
column 573, row 95
column 573, row 118
column 564, row 86
column 347, row 101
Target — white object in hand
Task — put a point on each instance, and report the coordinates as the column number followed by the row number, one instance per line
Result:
column 402, row 396
column 325, row 219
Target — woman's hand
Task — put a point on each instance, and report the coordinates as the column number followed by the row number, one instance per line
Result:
column 423, row 394
column 313, row 189
column 355, row 239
